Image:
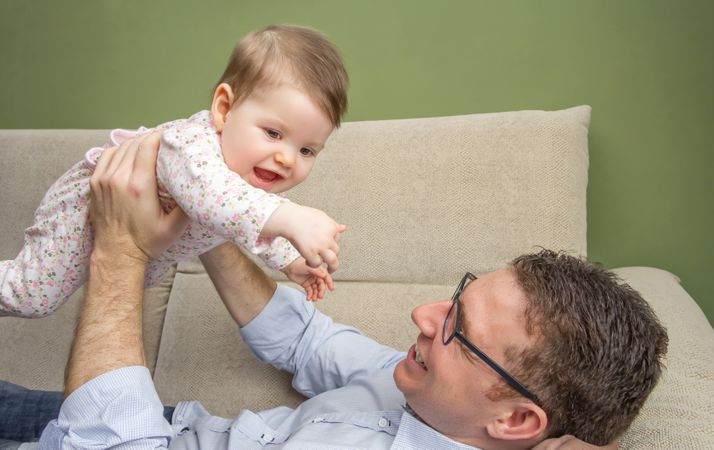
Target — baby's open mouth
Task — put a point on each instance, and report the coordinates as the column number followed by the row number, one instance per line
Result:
column 267, row 175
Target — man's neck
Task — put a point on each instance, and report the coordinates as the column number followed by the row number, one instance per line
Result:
column 486, row 443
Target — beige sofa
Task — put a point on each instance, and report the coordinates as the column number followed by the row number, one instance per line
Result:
column 425, row 201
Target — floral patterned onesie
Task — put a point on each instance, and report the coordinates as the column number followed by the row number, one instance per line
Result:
column 191, row 173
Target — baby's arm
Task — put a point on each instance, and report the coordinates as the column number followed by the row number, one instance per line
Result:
column 315, row 235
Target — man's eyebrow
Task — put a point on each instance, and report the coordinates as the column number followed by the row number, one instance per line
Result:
column 464, row 327
column 465, row 322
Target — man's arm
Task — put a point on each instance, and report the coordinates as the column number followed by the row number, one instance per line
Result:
column 244, row 288
column 282, row 329
column 109, row 332
column 110, row 397
column 129, row 227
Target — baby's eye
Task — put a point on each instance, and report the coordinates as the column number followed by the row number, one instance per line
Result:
column 306, row 151
column 273, row 134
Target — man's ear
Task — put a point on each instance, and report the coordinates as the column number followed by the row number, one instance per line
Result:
column 525, row 421
column 221, row 105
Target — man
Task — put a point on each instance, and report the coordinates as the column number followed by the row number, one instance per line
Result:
column 562, row 348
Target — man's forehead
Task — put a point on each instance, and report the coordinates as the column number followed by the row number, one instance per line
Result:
column 499, row 282
column 492, row 302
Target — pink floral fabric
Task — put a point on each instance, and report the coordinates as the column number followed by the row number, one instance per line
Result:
column 191, row 173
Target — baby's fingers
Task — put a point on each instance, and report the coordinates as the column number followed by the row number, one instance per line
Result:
column 308, row 290
column 321, row 289
column 330, row 258
column 324, row 277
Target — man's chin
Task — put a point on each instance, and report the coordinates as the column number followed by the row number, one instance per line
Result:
column 399, row 374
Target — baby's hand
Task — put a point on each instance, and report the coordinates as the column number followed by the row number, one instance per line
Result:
column 313, row 233
column 314, row 280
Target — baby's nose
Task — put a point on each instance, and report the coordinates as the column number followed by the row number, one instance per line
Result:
column 285, row 157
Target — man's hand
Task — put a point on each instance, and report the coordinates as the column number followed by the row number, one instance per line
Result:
column 129, row 227
column 313, row 233
column 313, row 280
column 569, row 442
column 124, row 209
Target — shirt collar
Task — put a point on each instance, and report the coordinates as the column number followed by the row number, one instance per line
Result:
column 414, row 434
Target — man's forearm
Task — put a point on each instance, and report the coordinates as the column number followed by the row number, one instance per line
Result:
column 244, row 288
column 109, row 333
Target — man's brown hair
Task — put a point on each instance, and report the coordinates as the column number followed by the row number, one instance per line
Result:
column 290, row 54
column 598, row 346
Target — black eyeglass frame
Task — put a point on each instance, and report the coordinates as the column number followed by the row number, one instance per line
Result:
column 456, row 303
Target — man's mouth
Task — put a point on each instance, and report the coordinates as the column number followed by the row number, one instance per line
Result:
column 418, row 357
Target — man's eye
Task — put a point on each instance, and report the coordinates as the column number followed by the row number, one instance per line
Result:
column 273, row 134
column 305, row 151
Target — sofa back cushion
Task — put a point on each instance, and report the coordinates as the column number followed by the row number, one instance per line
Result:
column 427, row 199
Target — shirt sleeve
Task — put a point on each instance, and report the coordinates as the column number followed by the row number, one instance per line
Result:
column 322, row 355
column 118, row 409
column 191, row 169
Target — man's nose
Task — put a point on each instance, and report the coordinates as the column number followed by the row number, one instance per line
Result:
column 285, row 156
column 429, row 318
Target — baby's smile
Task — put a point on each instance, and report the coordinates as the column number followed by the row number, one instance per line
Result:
column 265, row 179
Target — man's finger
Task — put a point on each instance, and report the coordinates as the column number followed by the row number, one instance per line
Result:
column 145, row 164
column 116, row 160
column 103, row 161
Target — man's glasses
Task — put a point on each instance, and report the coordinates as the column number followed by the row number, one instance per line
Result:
column 452, row 329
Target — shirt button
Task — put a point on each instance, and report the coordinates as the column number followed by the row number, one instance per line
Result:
column 383, row 422
column 267, row 437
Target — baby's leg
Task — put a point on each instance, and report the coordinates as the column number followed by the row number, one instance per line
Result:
column 54, row 259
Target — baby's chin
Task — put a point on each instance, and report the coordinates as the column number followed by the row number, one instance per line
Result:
column 271, row 189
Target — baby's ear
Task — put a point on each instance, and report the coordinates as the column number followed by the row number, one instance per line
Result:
column 221, row 105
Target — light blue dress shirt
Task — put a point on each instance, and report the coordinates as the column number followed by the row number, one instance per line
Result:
column 353, row 400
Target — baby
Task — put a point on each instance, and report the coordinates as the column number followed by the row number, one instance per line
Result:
column 282, row 94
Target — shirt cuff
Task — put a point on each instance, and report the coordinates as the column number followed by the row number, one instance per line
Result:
column 279, row 325
column 117, row 407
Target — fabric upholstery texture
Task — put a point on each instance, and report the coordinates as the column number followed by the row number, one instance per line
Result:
column 678, row 413
column 425, row 200
column 425, row 197
column 34, row 351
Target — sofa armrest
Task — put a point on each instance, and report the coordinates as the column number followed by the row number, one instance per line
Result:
column 678, row 413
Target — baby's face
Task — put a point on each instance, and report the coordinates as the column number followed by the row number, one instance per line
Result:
column 272, row 137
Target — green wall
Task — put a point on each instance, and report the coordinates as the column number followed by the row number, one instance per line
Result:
column 645, row 66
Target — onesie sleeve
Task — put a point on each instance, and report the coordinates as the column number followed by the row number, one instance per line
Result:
column 191, row 169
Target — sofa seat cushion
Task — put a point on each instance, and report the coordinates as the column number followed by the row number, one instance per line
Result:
column 203, row 357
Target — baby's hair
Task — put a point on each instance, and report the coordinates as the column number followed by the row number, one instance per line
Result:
column 290, row 54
